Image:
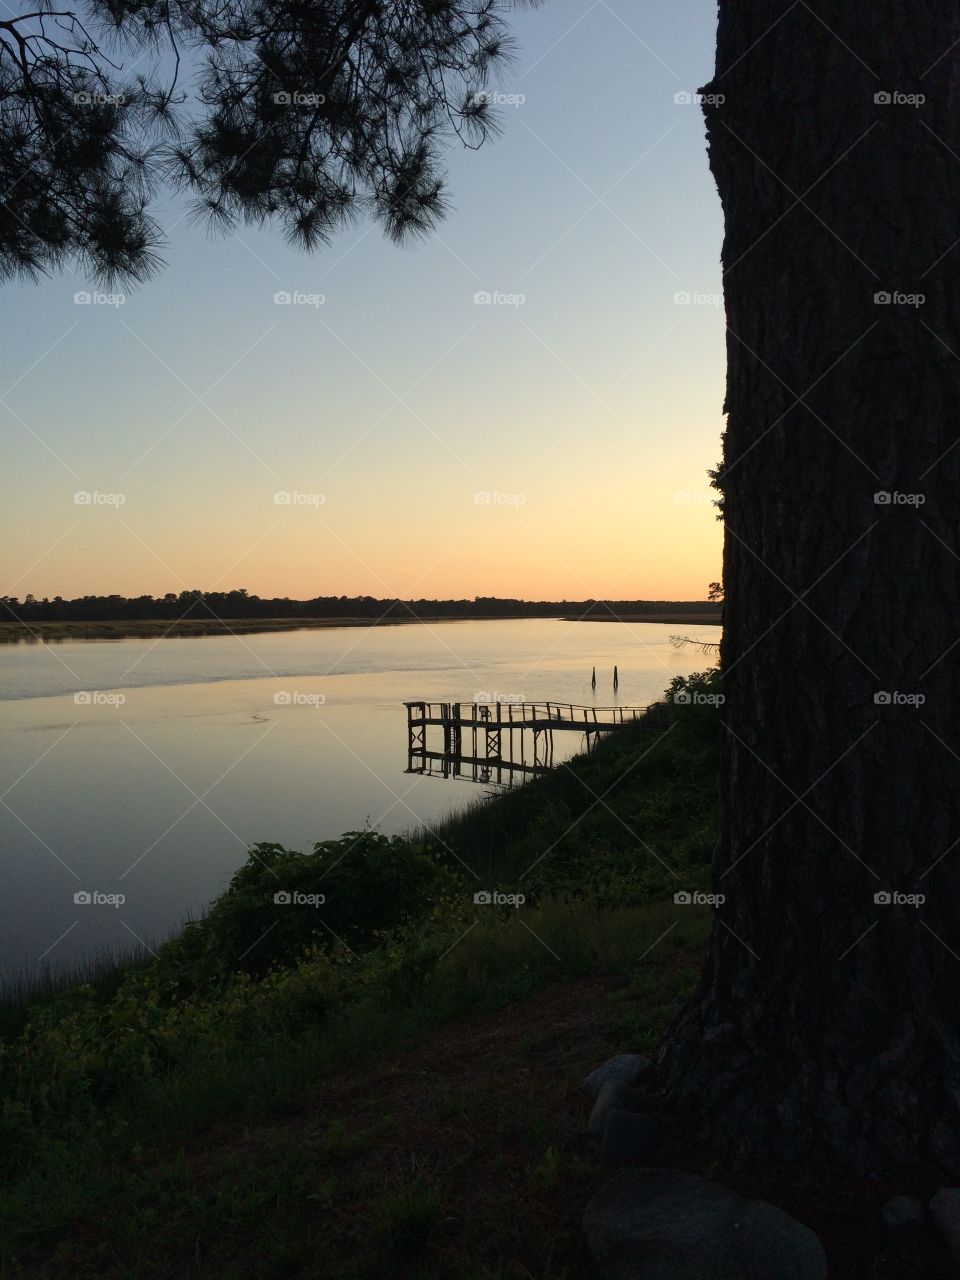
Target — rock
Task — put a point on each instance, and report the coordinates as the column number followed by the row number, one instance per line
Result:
column 657, row 1224
column 902, row 1211
column 945, row 1211
column 779, row 1246
column 626, row 1067
column 613, row 1094
column 628, row 1137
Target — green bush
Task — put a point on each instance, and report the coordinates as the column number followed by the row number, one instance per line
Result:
column 271, row 912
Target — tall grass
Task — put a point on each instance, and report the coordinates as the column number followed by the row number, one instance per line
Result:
column 25, row 989
column 647, row 786
column 104, row 971
column 77, row 1169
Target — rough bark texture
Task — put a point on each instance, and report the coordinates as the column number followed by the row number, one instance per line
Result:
column 826, row 1021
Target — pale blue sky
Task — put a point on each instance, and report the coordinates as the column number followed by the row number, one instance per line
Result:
column 597, row 401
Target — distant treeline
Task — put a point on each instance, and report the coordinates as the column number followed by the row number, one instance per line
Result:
column 240, row 604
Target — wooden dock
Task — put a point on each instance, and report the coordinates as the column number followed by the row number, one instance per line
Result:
column 502, row 742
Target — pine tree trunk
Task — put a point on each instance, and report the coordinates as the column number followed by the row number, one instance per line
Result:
column 828, row 1021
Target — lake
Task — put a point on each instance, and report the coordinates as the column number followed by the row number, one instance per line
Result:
column 153, row 785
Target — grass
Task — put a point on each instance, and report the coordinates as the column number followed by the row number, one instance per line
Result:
column 644, row 800
column 407, row 1218
column 135, row 1172
column 459, row 1154
column 334, row 1159
column 104, row 973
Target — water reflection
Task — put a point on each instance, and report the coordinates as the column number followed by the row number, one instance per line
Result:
column 293, row 737
column 503, row 744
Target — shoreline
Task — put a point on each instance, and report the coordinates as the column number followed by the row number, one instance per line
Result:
column 689, row 619
column 162, row 628
column 147, row 628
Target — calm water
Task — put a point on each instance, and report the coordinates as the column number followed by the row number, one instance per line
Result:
column 154, row 787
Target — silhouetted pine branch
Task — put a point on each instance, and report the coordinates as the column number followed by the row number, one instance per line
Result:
column 306, row 113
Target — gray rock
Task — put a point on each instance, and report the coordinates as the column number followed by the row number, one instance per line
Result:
column 613, row 1094
column 901, row 1212
column 657, row 1224
column 628, row 1138
column 945, row 1211
column 626, row 1067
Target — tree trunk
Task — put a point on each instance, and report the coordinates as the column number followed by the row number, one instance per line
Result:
column 828, row 1021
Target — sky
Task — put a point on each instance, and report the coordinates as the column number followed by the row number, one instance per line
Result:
column 384, row 432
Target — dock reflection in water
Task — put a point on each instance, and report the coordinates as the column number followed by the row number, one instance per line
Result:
column 500, row 744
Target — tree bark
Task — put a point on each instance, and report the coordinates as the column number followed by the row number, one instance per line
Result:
column 828, row 1021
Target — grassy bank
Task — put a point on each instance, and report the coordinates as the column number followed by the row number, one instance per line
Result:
column 112, row 1094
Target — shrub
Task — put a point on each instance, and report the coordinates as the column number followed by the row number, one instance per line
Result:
column 271, row 912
